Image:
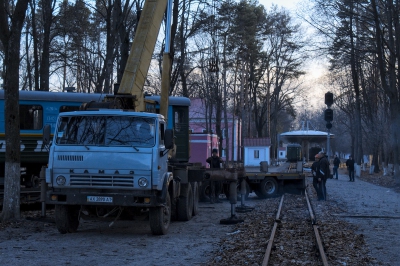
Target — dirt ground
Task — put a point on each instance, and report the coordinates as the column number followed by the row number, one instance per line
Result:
column 36, row 241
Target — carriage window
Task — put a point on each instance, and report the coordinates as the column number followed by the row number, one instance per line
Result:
column 66, row 108
column 31, row 116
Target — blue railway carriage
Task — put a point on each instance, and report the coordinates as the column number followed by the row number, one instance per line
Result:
column 37, row 109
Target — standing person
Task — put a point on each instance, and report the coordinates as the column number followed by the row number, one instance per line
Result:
column 336, row 163
column 215, row 186
column 350, row 168
column 314, row 169
column 322, row 174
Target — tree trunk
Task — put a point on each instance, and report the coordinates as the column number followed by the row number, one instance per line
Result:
column 111, row 33
column 174, row 27
column 123, row 32
column 375, row 161
column 233, row 122
column 11, row 38
column 45, row 62
column 28, row 61
column 356, row 85
column 225, row 97
column 242, row 118
column 35, row 40
column 182, row 48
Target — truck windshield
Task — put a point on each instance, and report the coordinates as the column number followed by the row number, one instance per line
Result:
column 106, row 130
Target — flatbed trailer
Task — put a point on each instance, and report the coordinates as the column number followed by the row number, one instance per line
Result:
column 266, row 183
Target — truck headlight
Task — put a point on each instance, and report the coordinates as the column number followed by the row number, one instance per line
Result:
column 60, row 180
column 143, row 182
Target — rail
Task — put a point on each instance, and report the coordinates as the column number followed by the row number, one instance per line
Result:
column 314, row 225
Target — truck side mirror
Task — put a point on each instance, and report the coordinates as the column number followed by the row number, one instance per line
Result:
column 169, row 139
column 46, row 134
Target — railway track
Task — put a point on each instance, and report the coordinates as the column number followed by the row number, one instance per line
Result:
column 295, row 221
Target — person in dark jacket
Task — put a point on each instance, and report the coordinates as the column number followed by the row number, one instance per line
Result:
column 350, row 168
column 336, row 163
column 323, row 173
column 314, row 169
column 215, row 186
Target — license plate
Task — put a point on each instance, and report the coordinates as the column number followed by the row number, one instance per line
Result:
column 99, row 199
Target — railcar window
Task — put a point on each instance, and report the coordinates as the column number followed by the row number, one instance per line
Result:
column 31, row 117
column 66, row 108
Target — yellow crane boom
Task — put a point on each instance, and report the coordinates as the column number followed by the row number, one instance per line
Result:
column 138, row 63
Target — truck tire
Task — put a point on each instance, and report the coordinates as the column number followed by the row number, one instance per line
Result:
column 204, row 191
column 174, row 212
column 185, row 203
column 268, row 188
column 160, row 217
column 66, row 218
column 195, row 188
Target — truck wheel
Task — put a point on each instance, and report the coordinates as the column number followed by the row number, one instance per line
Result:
column 160, row 217
column 185, row 203
column 204, row 191
column 174, row 212
column 67, row 218
column 195, row 188
column 268, row 188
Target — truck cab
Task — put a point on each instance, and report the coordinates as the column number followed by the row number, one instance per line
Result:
column 108, row 158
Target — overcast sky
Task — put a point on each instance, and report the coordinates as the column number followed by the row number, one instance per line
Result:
column 314, row 68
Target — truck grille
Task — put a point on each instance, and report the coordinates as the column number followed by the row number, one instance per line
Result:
column 72, row 158
column 82, row 180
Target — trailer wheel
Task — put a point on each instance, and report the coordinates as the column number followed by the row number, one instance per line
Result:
column 185, row 203
column 67, row 218
column 195, row 188
column 268, row 188
column 160, row 217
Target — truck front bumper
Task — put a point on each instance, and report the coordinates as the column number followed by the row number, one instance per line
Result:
column 101, row 198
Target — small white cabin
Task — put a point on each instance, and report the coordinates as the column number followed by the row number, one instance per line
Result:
column 256, row 150
column 282, row 153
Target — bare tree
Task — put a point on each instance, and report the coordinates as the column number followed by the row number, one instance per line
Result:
column 11, row 22
column 388, row 53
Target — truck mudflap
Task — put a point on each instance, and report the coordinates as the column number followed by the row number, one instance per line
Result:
column 161, row 197
column 96, row 198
